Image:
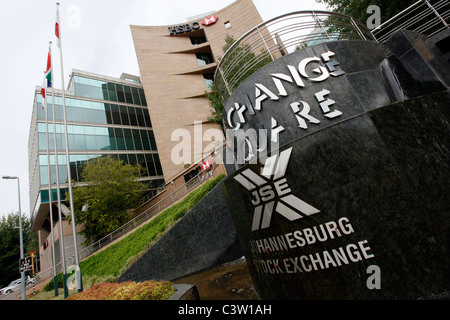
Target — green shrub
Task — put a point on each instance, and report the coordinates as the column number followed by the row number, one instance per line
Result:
column 51, row 285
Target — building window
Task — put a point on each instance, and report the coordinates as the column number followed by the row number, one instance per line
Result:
column 149, row 162
column 96, row 89
column 96, row 138
column 204, row 58
column 227, row 25
column 86, row 111
column 209, row 79
column 197, row 40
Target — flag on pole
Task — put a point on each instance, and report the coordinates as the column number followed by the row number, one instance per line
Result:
column 47, row 83
column 79, row 280
column 57, row 27
column 48, row 70
column 44, row 92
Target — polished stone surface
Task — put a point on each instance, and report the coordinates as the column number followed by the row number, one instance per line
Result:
column 421, row 66
column 366, row 191
column 352, row 91
column 388, row 173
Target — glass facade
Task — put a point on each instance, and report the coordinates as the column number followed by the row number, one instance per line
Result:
column 86, row 111
column 110, row 91
column 150, row 163
column 104, row 119
column 96, row 138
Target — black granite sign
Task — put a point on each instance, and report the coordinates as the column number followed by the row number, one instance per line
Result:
column 341, row 193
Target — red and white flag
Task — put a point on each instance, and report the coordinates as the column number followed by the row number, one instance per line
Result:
column 57, row 27
column 43, row 92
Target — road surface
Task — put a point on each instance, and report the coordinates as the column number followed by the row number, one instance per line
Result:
column 16, row 295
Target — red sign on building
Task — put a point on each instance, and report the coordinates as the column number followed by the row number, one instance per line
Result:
column 209, row 21
column 206, row 165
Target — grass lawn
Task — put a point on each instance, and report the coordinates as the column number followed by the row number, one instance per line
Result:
column 115, row 259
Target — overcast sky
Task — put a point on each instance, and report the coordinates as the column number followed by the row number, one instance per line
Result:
column 96, row 37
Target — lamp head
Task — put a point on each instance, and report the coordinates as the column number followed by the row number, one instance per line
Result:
column 9, row 177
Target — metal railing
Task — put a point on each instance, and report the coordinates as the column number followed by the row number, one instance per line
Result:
column 279, row 36
column 284, row 34
column 425, row 16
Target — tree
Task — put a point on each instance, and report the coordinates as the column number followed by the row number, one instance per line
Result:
column 358, row 8
column 246, row 60
column 108, row 188
column 216, row 104
column 10, row 245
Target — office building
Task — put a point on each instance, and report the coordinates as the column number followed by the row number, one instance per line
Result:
column 177, row 63
column 134, row 118
column 106, row 117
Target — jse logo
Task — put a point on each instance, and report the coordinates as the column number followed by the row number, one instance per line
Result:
column 268, row 192
column 271, row 191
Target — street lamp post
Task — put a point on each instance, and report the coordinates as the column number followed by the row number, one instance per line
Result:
column 20, row 234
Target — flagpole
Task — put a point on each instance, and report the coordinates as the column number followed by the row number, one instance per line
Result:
column 55, row 278
column 58, row 189
column 79, row 280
